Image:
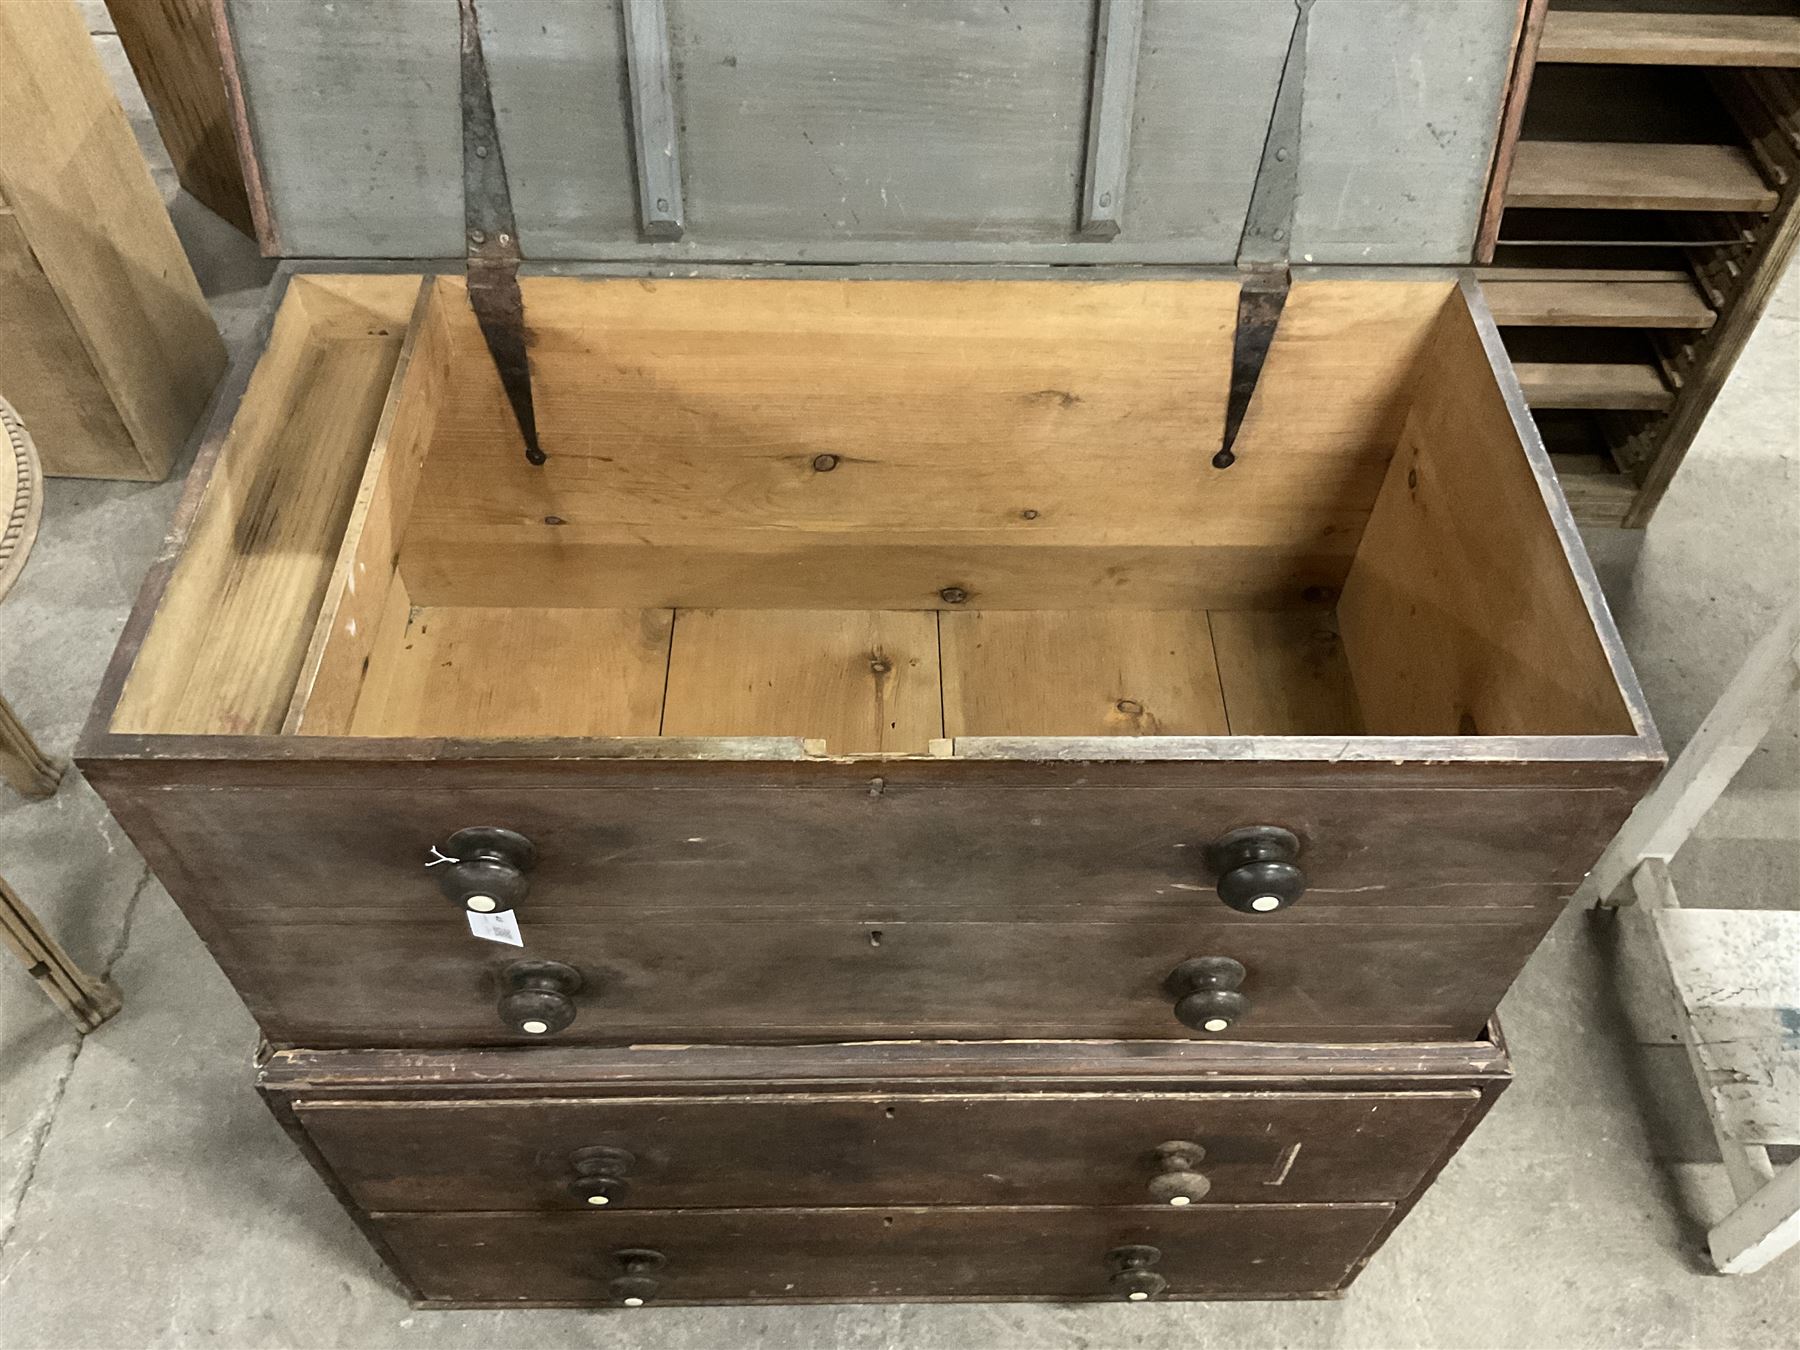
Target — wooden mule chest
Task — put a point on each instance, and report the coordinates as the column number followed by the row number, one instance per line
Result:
column 1028, row 827
column 929, row 777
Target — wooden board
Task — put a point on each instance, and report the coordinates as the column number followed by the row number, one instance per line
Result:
column 1612, row 175
column 1527, row 35
column 358, row 597
column 1638, row 38
column 1080, row 673
column 229, row 637
column 1598, row 303
column 1594, row 384
column 978, row 433
column 1283, row 673
column 864, row 682
column 1737, row 973
column 46, row 373
column 1462, row 612
column 175, row 55
column 514, row 672
column 73, row 176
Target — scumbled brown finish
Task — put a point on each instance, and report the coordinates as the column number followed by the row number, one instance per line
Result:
column 836, row 1255
column 850, row 1129
column 777, row 913
column 726, row 1152
column 708, row 979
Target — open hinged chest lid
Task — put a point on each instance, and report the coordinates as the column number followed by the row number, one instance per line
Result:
column 979, row 131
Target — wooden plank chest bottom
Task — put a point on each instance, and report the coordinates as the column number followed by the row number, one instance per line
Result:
column 882, row 1172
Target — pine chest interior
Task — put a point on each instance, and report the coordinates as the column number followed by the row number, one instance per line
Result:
column 880, row 517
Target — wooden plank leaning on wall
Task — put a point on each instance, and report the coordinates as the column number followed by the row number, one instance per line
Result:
column 87, row 221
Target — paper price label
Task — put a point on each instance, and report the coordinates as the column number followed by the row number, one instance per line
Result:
column 501, row 927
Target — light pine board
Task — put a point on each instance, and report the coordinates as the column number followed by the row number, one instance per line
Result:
column 76, row 182
column 358, row 595
column 514, row 672
column 1283, row 673
column 863, row 681
column 1038, row 444
column 1080, row 673
column 1629, row 38
column 1608, row 175
column 225, row 649
column 1462, row 613
column 1581, row 303
column 1594, row 384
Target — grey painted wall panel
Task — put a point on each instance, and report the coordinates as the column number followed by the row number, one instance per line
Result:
column 889, row 130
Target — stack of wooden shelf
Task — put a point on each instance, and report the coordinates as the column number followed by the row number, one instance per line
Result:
column 1649, row 214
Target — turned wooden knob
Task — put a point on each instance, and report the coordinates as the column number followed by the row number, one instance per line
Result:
column 1205, row 989
column 486, row 867
column 1177, row 1180
column 636, row 1285
column 537, row 998
column 600, row 1175
column 1258, row 869
column 1132, row 1279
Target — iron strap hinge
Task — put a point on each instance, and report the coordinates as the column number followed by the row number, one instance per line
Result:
column 1263, row 250
column 491, row 235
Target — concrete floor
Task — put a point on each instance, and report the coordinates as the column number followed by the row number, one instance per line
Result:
column 147, row 1198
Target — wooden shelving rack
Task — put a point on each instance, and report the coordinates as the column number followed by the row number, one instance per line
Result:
column 1648, row 211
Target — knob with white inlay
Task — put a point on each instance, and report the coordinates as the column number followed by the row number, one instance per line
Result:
column 537, row 998
column 483, row 869
column 1205, row 990
column 636, row 1286
column 1178, row 1180
column 600, row 1175
column 1132, row 1278
column 1258, row 869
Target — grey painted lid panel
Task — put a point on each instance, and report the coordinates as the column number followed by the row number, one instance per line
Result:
column 876, row 120
column 1207, row 76
column 557, row 69
column 1402, row 111
column 936, row 130
column 353, row 106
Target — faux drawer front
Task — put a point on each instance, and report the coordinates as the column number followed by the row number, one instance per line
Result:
column 778, row 1151
column 781, row 1256
column 702, row 978
column 869, row 847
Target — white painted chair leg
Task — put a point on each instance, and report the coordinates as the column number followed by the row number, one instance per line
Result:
column 1734, row 728
column 1761, row 1228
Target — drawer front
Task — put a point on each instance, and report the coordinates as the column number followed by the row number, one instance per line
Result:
column 787, row 981
column 869, row 849
column 783, row 1256
column 854, row 1150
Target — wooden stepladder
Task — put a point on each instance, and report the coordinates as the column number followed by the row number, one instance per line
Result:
column 1732, row 976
